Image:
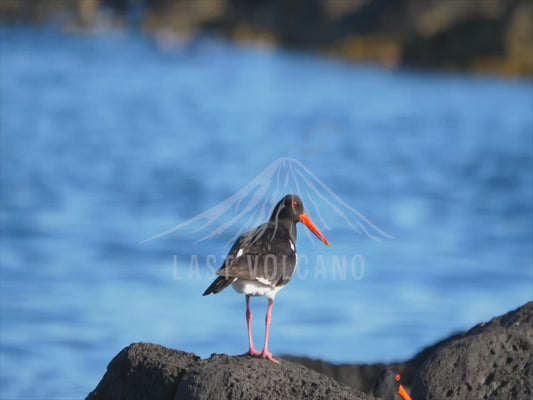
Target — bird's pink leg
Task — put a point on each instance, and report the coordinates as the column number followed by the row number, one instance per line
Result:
column 268, row 321
column 249, row 319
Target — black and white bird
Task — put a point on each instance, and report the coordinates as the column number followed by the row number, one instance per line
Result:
column 262, row 262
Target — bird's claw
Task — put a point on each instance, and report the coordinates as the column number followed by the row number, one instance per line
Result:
column 269, row 356
column 254, row 353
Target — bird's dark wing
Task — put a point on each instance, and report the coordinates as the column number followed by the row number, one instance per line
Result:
column 263, row 254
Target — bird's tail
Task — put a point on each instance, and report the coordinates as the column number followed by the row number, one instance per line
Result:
column 219, row 285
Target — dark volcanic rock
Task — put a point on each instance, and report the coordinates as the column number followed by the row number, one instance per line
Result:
column 363, row 376
column 143, row 371
column 153, row 372
column 358, row 376
column 225, row 377
column 496, row 355
column 491, row 361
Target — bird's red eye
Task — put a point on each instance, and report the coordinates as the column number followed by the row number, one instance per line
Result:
column 398, row 377
column 294, row 204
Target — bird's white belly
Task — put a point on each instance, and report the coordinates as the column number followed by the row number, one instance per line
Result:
column 256, row 288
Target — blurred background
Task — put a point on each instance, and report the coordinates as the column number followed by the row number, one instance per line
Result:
column 120, row 119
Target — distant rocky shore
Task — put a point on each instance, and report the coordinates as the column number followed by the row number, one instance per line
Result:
column 493, row 36
column 493, row 360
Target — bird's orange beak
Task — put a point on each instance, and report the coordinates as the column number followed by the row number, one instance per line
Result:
column 402, row 392
column 304, row 219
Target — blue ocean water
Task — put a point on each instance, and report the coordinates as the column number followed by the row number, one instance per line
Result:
column 110, row 138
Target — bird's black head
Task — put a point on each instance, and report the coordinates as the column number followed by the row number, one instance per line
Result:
column 289, row 208
column 289, row 211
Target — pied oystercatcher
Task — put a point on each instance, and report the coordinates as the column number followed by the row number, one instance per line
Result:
column 261, row 262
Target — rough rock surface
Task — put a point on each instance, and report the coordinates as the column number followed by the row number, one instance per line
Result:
column 493, row 360
column 244, row 377
column 503, row 351
column 152, row 372
column 363, row 376
column 143, row 371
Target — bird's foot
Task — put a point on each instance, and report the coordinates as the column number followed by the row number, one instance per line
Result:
column 269, row 356
column 253, row 352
